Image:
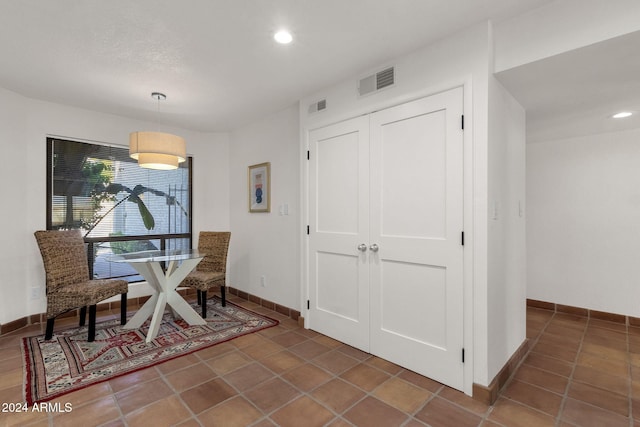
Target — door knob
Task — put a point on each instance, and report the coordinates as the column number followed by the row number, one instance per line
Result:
column 362, row 247
column 374, row 248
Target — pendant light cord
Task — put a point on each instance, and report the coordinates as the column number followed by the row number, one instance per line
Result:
column 159, row 97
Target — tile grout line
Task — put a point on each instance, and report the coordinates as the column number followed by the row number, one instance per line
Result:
column 176, row 393
column 161, row 376
column 573, row 369
column 534, row 342
column 307, row 393
column 122, row 417
column 300, row 393
column 336, row 376
column 411, row 416
column 239, row 393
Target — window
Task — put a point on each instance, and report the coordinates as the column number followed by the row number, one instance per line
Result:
column 119, row 206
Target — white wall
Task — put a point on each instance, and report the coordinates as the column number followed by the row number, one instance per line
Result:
column 15, row 208
column 506, row 303
column 267, row 244
column 583, row 222
column 24, row 126
column 561, row 26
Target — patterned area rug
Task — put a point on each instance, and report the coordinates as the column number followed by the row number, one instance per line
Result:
column 68, row 362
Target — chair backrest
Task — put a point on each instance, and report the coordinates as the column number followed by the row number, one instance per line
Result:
column 64, row 257
column 216, row 245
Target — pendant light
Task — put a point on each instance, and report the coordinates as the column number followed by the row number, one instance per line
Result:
column 157, row 150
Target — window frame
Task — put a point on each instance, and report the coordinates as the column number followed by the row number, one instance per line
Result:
column 91, row 241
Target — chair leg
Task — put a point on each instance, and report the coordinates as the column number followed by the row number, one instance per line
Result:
column 49, row 331
column 83, row 315
column 204, row 304
column 123, row 308
column 223, row 294
column 199, row 297
column 92, row 323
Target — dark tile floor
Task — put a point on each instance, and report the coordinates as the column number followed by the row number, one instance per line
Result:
column 580, row 372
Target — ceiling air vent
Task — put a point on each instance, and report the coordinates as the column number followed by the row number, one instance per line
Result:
column 376, row 81
column 318, row 106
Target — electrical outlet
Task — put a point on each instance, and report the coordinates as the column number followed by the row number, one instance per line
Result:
column 35, row 292
column 263, row 282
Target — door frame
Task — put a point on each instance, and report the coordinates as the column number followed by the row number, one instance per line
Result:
column 308, row 124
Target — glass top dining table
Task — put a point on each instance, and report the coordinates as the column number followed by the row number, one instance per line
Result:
column 163, row 282
column 166, row 255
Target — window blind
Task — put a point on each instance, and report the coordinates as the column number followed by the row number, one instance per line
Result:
column 100, row 190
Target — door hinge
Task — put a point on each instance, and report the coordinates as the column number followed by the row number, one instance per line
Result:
column 463, row 355
column 308, row 155
column 307, row 229
column 462, row 238
column 308, row 305
column 462, row 122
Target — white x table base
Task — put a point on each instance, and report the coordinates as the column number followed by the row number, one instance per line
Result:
column 164, row 286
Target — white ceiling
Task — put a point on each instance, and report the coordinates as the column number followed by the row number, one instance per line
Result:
column 215, row 59
column 577, row 92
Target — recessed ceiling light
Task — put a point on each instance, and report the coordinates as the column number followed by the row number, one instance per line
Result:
column 622, row 115
column 283, row 37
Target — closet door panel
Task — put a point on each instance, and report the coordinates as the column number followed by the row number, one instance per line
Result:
column 416, row 214
column 339, row 225
column 412, row 175
column 386, row 216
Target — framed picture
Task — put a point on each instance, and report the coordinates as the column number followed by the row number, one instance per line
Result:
column 260, row 187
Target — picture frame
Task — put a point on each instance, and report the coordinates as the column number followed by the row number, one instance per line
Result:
column 259, row 187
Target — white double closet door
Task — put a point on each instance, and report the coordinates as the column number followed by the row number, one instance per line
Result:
column 385, row 250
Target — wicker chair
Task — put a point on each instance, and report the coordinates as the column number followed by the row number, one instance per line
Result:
column 67, row 280
column 211, row 271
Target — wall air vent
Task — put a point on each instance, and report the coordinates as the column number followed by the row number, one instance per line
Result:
column 385, row 78
column 318, row 106
column 377, row 81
